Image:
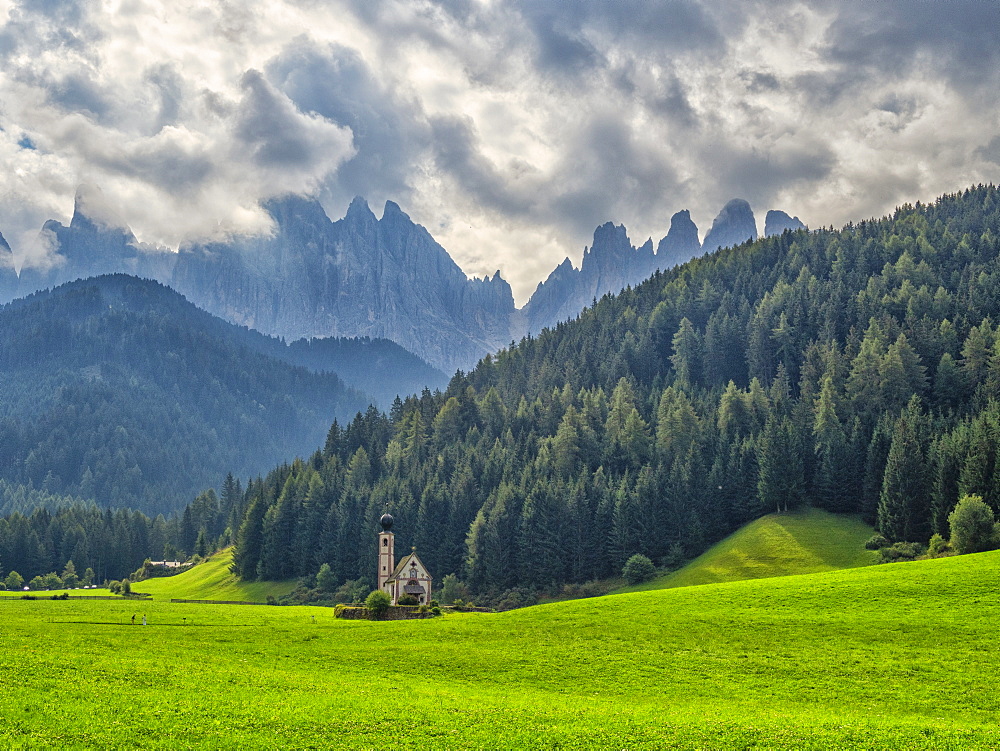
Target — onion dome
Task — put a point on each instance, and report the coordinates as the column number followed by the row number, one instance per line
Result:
column 386, row 522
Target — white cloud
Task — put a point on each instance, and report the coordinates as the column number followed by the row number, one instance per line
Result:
column 510, row 130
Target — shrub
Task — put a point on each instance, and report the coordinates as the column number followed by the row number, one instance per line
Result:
column 436, row 610
column 115, row 587
column 512, row 599
column 407, row 600
column 352, row 591
column 452, row 590
column 971, row 525
column 14, row 581
column 674, row 558
column 938, row 547
column 325, row 578
column 378, row 603
column 271, row 600
column 877, row 542
column 593, row 588
column 901, row 551
column 638, row 568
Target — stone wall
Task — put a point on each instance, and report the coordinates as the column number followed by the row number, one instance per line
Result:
column 394, row 613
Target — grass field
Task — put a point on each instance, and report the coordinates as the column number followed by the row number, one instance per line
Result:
column 212, row 580
column 897, row 656
column 800, row 542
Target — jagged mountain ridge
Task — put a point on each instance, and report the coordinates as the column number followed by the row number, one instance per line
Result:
column 362, row 276
column 609, row 265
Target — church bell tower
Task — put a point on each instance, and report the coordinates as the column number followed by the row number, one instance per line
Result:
column 386, row 554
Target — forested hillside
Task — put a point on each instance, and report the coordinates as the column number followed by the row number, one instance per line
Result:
column 118, row 390
column 856, row 370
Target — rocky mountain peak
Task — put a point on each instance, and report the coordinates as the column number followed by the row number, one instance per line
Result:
column 392, row 211
column 291, row 208
column 777, row 222
column 681, row 243
column 734, row 225
column 359, row 211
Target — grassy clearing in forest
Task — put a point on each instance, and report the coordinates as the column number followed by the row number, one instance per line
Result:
column 896, row 656
column 212, row 580
column 799, row 542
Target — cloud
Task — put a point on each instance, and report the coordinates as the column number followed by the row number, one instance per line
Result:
column 389, row 131
column 281, row 141
column 509, row 129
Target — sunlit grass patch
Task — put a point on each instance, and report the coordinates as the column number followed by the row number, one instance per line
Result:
column 800, row 542
column 212, row 580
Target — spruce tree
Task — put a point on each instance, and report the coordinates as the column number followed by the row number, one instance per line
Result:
column 904, row 504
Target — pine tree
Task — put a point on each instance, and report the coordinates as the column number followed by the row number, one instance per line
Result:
column 779, row 466
column 250, row 540
column 904, row 505
column 686, row 358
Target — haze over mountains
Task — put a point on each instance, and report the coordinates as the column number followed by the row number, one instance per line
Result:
column 8, row 276
column 363, row 276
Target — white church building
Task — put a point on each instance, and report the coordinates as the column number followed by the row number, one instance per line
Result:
column 408, row 577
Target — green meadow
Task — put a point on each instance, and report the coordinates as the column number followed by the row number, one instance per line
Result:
column 895, row 656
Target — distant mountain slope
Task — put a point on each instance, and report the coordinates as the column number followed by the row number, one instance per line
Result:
column 119, row 390
column 799, row 542
column 612, row 263
column 378, row 367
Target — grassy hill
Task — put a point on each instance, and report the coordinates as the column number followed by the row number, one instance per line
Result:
column 895, row 656
column 212, row 580
column 801, row 542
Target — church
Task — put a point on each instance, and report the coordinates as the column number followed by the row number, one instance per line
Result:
column 408, row 577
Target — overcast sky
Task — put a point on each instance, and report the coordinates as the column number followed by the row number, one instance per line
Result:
column 510, row 130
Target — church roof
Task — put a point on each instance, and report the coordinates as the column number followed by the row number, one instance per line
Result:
column 404, row 563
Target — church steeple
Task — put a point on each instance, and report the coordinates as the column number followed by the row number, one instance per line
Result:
column 386, row 549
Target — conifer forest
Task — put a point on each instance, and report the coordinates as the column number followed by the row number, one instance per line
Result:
column 855, row 370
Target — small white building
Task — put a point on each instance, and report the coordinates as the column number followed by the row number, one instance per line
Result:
column 408, row 577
